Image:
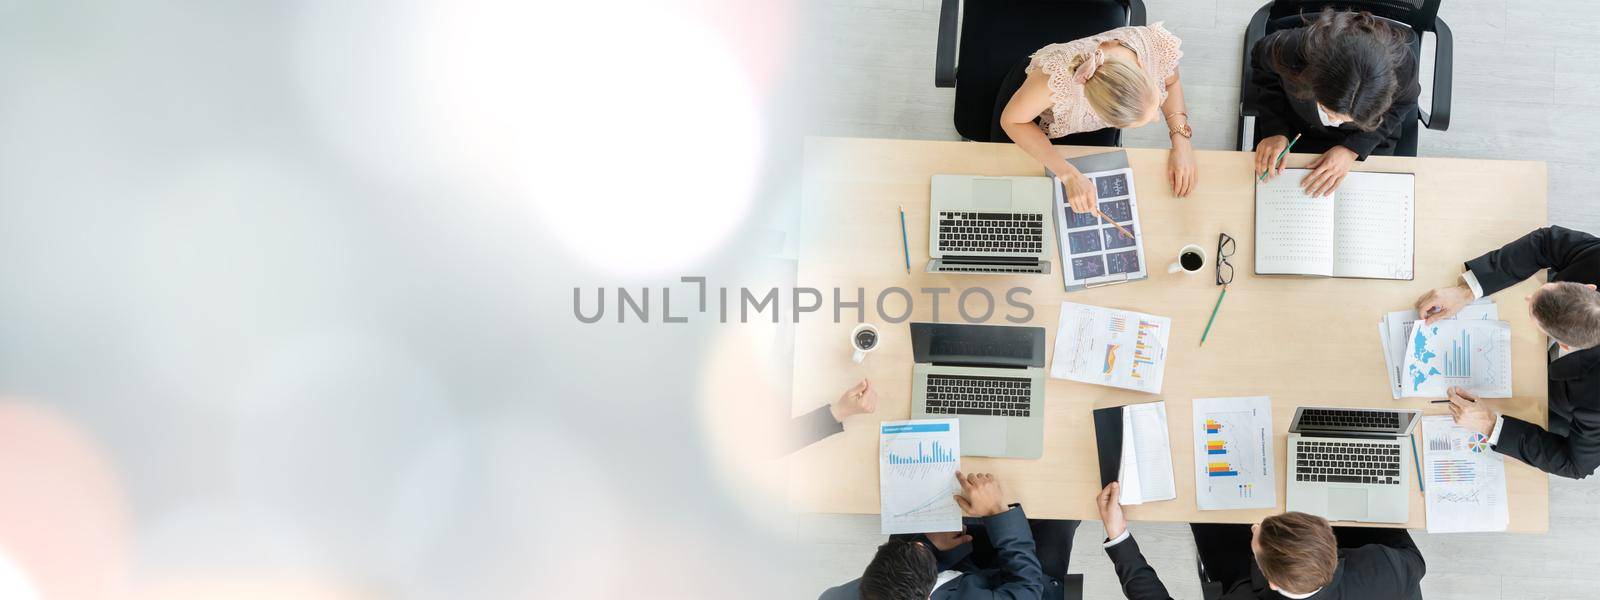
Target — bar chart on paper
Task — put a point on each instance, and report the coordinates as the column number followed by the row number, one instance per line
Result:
column 1233, row 453
column 1105, row 346
column 1473, row 354
column 917, row 462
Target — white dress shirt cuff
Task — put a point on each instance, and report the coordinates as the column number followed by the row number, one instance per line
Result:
column 1472, row 282
column 1494, row 436
column 1125, row 535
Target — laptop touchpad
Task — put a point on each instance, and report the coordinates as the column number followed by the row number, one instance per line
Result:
column 991, row 194
column 1347, row 504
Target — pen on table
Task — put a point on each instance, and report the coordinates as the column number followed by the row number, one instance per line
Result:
column 1095, row 210
column 1213, row 318
column 1279, row 160
column 905, row 246
column 1418, row 462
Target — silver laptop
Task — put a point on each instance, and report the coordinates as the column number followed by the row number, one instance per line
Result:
column 991, row 377
column 989, row 224
column 1349, row 464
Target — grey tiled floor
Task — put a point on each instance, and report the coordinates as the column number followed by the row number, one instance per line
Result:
column 1526, row 86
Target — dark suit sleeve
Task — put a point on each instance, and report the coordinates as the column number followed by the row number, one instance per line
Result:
column 809, row 428
column 1271, row 102
column 1020, row 576
column 1575, row 456
column 1405, row 100
column 1139, row 580
column 1552, row 247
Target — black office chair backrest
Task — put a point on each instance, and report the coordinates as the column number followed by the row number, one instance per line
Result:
column 1417, row 14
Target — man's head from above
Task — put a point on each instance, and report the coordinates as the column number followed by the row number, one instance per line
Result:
column 1567, row 312
column 1296, row 552
column 901, row 570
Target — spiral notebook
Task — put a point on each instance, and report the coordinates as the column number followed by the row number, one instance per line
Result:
column 1366, row 229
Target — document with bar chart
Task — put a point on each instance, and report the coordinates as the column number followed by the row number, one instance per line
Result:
column 1474, row 354
column 1466, row 479
column 1233, row 453
column 1112, row 347
column 917, row 462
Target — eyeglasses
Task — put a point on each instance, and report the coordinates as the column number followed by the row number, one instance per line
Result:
column 1224, row 268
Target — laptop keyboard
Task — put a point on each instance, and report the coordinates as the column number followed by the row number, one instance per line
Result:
column 1348, row 462
column 990, row 232
column 1346, row 419
column 949, row 268
column 969, row 395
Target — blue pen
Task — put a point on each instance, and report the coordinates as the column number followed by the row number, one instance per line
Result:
column 1418, row 462
column 905, row 245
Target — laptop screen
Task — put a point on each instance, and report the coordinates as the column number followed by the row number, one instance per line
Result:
column 977, row 345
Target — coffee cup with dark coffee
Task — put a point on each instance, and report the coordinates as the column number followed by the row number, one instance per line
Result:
column 1191, row 259
column 864, row 338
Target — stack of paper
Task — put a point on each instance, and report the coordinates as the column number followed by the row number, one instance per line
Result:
column 917, row 462
column 1233, row 453
column 1466, row 479
column 1146, row 473
column 1395, row 330
column 1105, row 346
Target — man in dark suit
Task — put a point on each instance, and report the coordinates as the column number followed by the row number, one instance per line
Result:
column 1291, row 555
column 994, row 558
column 1567, row 309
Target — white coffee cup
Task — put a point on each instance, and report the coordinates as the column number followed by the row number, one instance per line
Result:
column 1191, row 259
column 864, row 338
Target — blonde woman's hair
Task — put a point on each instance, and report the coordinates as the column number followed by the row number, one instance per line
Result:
column 1119, row 91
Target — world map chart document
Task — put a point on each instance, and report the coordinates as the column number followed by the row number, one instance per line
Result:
column 1473, row 354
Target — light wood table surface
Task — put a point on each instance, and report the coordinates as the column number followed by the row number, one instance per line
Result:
column 1301, row 341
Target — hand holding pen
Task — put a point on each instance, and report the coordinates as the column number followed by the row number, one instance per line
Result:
column 1270, row 153
column 1081, row 199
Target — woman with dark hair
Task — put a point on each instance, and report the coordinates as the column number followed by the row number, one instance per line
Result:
column 1345, row 82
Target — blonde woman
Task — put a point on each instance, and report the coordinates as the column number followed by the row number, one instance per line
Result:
column 1123, row 78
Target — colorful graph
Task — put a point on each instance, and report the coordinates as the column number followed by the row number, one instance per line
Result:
column 1145, row 347
column 1220, row 469
column 1216, row 447
column 1212, row 426
column 939, row 455
column 1478, row 443
column 1452, row 470
column 1111, row 359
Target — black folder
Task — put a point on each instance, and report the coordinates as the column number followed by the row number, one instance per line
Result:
column 1108, row 442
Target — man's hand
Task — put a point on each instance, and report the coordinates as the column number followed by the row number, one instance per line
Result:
column 1079, row 191
column 1181, row 169
column 946, row 541
column 1328, row 171
column 1471, row 414
column 859, row 399
column 980, row 495
column 1110, row 501
column 1267, row 155
column 1443, row 302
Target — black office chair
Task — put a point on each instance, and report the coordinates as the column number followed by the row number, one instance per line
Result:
column 997, row 36
column 1209, row 589
column 1420, row 16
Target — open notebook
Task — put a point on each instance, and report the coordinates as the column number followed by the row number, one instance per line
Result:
column 1366, row 229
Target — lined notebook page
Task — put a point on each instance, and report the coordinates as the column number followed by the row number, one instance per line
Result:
column 1374, row 230
column 1294, row 232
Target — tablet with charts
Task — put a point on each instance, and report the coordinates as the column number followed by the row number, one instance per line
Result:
column 1095, row 251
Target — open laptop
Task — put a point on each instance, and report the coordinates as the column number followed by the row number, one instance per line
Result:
column 983, row 224
column 1349, row 464
column 991, row 377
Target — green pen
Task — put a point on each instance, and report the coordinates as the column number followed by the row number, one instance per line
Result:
column 1213, row 318
column 1279, row 160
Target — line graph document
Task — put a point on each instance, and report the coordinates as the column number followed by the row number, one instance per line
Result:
column 1233, row 453
column 1466, row 479
column 917, row 462
column 1105, row 346
column 1474, row 354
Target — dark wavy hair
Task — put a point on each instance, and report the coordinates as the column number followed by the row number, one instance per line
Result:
column 1346, row 61
column 902, row 570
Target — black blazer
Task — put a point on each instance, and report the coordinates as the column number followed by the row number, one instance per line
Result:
column 1016, row 573
column 1285, row 115
column 1390, row 570
column 1574, row 378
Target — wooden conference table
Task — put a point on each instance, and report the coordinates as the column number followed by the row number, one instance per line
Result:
column 1301, row 341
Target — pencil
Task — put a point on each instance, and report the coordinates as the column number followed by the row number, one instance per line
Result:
column 1207, row 332
column 1418, row 462
column 1102, row 215
column 1278, row 160
column 905, row 245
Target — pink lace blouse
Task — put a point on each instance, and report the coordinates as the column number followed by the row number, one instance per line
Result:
column 1158, row 52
